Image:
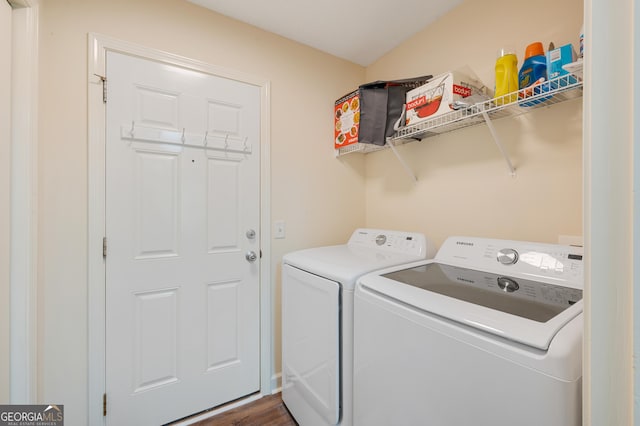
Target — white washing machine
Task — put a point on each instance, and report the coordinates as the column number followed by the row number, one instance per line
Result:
column 317, row 319
column 488, row 333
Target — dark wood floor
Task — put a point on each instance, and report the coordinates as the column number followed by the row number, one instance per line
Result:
column 266, row 411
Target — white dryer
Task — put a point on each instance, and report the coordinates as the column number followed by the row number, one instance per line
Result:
column 487, row 333
column 317, row 319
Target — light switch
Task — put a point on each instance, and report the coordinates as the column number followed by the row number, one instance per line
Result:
column 279, row 229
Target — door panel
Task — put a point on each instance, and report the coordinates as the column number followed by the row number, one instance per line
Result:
column 157, row 194
column 223, row 204
column 156, row 108
column 182, row 302
column 155, row 338
column 222, row 315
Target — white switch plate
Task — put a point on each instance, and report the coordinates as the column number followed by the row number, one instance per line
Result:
column 279, row 229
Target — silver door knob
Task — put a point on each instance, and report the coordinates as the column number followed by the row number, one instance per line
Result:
column 251, row 256
column 251, row 234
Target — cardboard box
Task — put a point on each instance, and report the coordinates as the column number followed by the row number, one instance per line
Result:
column 436, row 97
column 556, row 59
column 346, row 115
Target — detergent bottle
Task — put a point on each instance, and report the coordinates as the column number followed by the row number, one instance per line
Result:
column 533, row 71
column 581, row 55
column 506, row 76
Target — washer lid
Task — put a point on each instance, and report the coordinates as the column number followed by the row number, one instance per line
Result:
column 518, row 309
column 346, row 263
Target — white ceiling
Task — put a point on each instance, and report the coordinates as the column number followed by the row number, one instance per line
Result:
column 360, row 31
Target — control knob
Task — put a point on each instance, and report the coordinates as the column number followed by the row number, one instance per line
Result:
column 507, row 256
column 508, row 285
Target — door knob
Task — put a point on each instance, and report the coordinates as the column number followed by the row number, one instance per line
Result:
column 251, row 234
column 251, row 256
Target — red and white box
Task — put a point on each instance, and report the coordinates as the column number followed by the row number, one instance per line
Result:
column 346, row 120
column 437, row 96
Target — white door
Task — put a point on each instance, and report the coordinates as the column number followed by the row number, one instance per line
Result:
column 182, row 213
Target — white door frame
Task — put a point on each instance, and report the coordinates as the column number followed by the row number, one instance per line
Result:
column 24, row 195
column 611, row 214
column 98, row 46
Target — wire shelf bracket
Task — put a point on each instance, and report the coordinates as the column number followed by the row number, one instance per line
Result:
column 406, row 167
column 496, row 139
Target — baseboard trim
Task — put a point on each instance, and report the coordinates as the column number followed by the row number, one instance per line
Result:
column 276, row 387
column 214, row 412
column 276, row 383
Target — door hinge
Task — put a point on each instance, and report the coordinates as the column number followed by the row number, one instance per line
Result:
column 104, row 404
column 104, row 246
column 104, row 87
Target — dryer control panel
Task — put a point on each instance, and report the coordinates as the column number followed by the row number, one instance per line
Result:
column 410, row 243
column 551, row 263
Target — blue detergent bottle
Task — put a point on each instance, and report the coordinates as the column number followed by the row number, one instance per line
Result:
column 533, row 73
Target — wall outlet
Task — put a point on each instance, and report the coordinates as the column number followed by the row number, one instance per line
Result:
column 279, row 229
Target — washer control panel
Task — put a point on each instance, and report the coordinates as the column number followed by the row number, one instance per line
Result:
column 551, row 262
column 411, row 243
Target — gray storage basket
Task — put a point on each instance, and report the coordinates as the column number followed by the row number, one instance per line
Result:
column 381, row 104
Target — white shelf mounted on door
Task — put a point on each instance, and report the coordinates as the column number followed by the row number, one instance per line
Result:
column 207, row 141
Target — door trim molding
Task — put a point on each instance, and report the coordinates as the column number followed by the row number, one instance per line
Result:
column 24, row 200
column 98, row 45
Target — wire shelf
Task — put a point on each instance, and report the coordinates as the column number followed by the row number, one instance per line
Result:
column 365, row 148
column 513, row 104
column 551, row 92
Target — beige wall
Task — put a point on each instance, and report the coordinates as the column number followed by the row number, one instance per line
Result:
column 321, row 199
column 463, row 185
column 5, row 187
